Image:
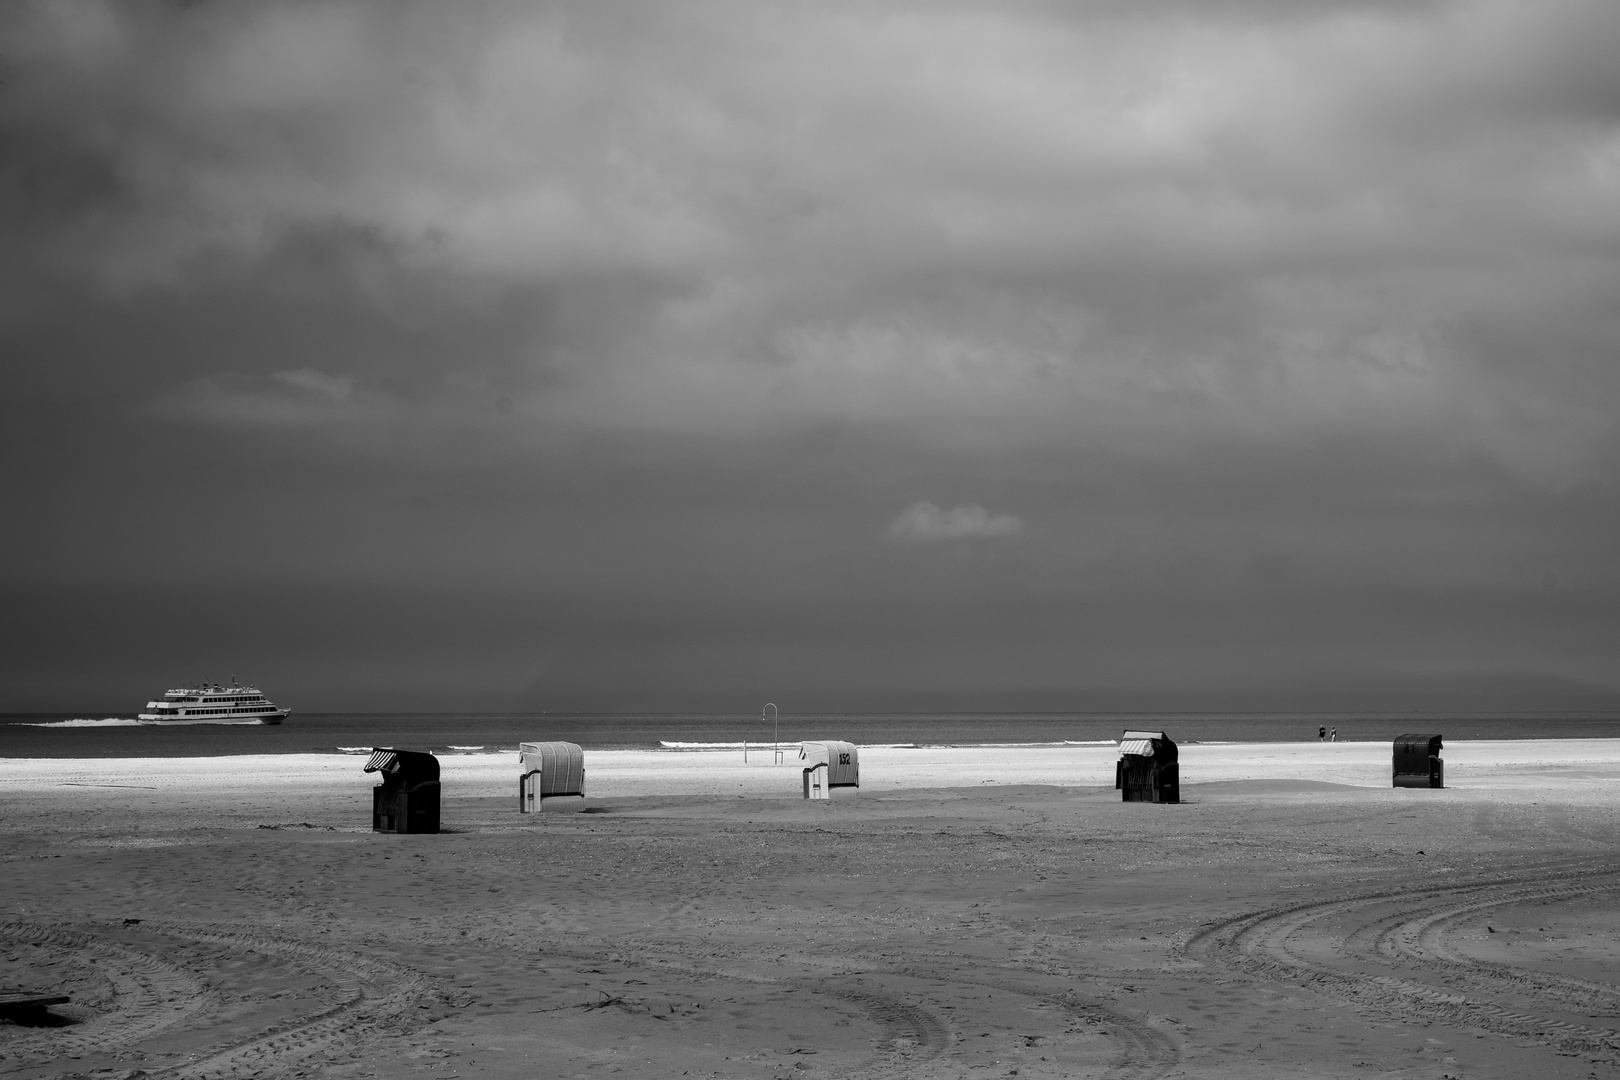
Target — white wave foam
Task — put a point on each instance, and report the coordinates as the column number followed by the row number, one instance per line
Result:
column 111, row 721
column 751, row 744
column 355, row 749
column 786, row 745
column 466, row 747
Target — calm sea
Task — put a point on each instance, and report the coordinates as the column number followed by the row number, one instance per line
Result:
column 81, row 736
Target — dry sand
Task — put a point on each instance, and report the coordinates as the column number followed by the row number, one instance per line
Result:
column 974, row 913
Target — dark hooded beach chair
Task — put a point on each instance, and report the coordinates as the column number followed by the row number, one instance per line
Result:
column 1417, row 762
column 1147, row 770
column 407, row 800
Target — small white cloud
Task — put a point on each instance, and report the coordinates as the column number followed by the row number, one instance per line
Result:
column 923, row 522
column 296, row 398
column 317, row 383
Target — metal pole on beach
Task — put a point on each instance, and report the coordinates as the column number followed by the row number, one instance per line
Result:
column 776, row 738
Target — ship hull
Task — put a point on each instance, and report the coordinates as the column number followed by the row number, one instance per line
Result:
column 253, row 721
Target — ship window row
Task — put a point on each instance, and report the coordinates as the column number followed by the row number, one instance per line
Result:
column 251, row 697
column 219, row 700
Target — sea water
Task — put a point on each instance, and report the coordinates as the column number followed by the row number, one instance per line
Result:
column 324, row 733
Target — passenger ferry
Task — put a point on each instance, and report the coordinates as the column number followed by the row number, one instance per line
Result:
column 212, row 703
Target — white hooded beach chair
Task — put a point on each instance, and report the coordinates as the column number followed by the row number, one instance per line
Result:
column 832, row 770
column 552, row 776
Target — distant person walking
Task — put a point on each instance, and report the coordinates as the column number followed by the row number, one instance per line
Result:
column 1333, row 736
column 1321, row 733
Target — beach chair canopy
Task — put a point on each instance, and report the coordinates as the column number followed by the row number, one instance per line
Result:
column 842, row 759
column 410, row 766
column 1153, row 744
column 1412, row 752
column 560, row 766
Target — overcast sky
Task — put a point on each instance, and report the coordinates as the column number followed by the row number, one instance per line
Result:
column 1149, row 354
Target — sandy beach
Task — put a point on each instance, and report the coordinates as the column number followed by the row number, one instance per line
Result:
column 975, row 912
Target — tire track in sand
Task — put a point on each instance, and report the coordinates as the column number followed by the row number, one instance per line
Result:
column 1404, row 933
column 1145, row 1051
column 913, row 1034
column 153, row 995
column 150, row 995
column 918, row 1036
column 367, row 986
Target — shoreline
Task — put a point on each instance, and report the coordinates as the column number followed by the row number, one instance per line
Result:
column 1479, row 766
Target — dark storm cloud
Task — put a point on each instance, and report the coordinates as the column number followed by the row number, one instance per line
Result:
column 1250, row 301
column 819, row 210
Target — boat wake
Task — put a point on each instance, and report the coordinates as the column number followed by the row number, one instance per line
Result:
column 111, row 721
